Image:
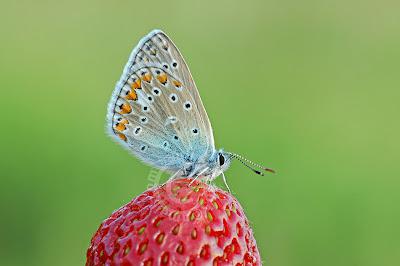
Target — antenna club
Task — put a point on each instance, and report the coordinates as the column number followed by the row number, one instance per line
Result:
column 270, row 170
column 259, row 173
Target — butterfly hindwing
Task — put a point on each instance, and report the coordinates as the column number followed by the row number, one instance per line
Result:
column 156, row 111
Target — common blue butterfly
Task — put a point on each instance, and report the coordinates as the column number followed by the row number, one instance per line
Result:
column 156, row 112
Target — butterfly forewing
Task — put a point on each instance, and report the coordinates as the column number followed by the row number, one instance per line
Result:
column 156, row 110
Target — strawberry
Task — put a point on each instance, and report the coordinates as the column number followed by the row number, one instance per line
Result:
column 176, row 224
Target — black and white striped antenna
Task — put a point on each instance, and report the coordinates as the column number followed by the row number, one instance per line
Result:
column 248, row 163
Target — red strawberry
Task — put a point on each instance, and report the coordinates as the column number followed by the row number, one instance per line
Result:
column 176, row 224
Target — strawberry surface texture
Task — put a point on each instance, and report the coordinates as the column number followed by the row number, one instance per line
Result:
column 177, row 223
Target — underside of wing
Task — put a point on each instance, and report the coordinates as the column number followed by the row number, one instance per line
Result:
column 156, row 111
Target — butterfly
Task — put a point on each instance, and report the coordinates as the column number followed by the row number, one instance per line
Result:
column 156, row 113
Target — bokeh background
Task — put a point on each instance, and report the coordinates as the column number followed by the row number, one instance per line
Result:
column 309, row 88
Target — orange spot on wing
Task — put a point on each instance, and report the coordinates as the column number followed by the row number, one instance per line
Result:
column 177, row 83
column 132, row 95
column 122, row 136
column 120, row 126
column 125, row 109
column 162, row 78
column 137, row 84
column 146, row 77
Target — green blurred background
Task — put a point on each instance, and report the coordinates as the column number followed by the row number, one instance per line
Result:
column 310, row 88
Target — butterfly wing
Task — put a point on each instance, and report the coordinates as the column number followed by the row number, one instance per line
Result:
column 156, row 111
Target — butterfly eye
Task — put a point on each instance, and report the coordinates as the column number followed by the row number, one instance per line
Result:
column 221, row 159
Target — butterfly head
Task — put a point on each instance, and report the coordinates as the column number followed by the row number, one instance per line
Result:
column 219, row 162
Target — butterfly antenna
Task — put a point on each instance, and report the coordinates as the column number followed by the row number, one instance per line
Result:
column 248, row 166
column 247, row 163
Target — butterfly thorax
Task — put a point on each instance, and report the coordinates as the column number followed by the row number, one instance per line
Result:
column 208, row 167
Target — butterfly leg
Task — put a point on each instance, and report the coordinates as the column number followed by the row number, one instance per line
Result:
column 226, row 184
column 199, row 174
column 174, row 176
